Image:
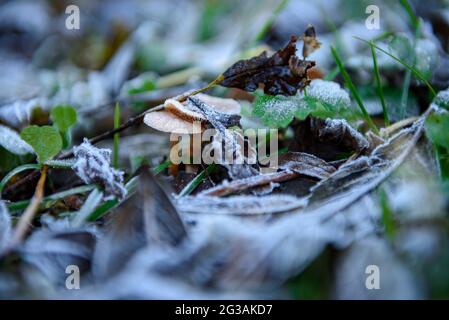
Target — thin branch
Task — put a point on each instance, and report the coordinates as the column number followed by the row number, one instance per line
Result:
column 27, row 217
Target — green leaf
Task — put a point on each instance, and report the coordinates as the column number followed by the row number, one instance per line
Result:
column 324, row 99
column 145, row 86
column 437, row 125
column 401, row 46
column 436, row 129
column 275, row 111
column 353, row 90
column 64, row 117
column 46, row 141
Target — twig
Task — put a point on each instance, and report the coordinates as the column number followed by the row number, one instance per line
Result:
column 27, row 217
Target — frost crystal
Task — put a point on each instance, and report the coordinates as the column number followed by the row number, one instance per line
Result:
column 93, row 165
column 442, row 99
column 5, row 225
column 11, row 141
column 329, row 92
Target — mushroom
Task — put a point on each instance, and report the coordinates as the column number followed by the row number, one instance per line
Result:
column 178, row 118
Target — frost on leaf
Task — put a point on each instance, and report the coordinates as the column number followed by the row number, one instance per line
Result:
column 324, row 99
column 11, row 141
column 282, row 73
column 5, row 225
column 93, row 165
column 442, row 99
column 305, row 164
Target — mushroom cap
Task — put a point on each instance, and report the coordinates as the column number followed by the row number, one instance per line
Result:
column 166, row 121
column 177, row 118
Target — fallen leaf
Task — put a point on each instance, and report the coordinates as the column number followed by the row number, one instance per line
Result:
column 310, row 41
column 282, row 73
column 11, row 141
column 305, row 164
column 327, row 139
column 148, row 218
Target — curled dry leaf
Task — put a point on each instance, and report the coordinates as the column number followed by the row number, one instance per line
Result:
column 310, row 41
column 240, row 205
column 282, row 73
column 328, row 138
column 178, row 118
column 306, row 164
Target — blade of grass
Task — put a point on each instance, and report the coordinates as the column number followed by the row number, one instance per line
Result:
column 270, row 21
column 20, row 205
column 380, row 90
column 92, row 201
column 104, row 208
column 405, row 64
column 382, row 36
column 161, row 167
column 387, row 215
column 17, row 170
column 192, row 185
column 331, row 75
column 414, row 20
column 116, row 135
column 353, row 90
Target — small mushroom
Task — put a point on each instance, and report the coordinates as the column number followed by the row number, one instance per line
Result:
column 178, row 118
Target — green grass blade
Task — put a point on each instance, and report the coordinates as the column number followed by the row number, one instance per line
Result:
column 380, row 90
column 414, row 20
column 353, row 90
column 15, row 171
column 104, row 208
column 189, row 188
column 161, row 167
column 269, row 23
column 20, row 205
column 331, row 75
column 405, row 64
column 116, row 136
column 387, row 215
column 92, row 201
